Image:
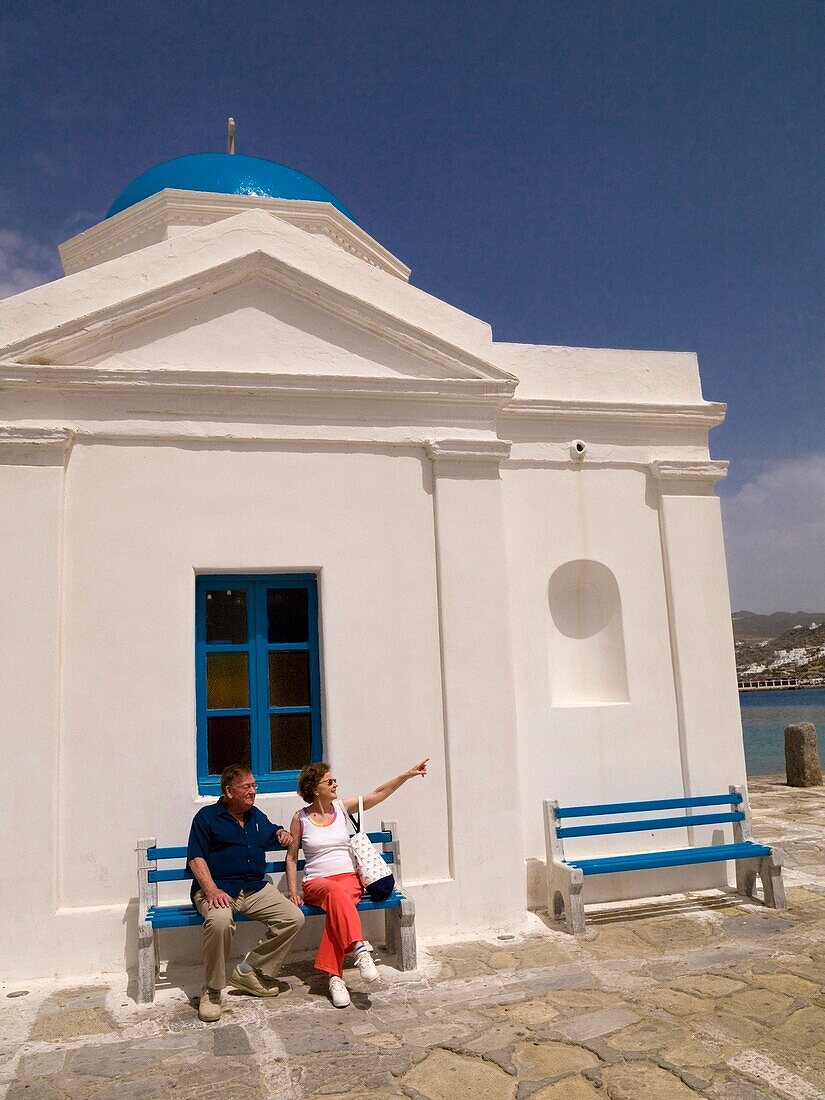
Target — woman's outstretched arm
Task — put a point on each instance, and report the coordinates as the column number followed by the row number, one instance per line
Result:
column 384, row 790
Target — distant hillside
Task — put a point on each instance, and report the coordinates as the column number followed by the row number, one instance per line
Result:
column 785, row 645
column 747, row 624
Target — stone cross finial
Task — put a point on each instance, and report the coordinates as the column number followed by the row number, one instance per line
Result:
column 230, row 135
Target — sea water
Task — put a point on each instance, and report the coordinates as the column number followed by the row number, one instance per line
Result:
column 764, row 717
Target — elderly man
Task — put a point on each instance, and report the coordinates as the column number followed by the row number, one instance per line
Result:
column 227, row 854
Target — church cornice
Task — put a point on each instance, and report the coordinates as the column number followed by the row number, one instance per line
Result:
column 707, row 414
column 191, row 209
column 252, row 383
column 686, row 472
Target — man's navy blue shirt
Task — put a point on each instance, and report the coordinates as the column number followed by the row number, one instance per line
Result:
column 235, row 855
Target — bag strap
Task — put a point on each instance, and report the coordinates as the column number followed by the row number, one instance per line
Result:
column 356, row 823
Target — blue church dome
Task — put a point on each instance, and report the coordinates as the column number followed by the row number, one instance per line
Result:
column 225, row 174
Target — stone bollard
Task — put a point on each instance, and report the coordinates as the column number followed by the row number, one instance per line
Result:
column 801, row 757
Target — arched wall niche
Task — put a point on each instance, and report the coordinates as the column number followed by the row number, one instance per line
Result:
column 586, row 651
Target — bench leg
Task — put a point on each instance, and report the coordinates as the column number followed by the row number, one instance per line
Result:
column 747, row 872
column 770, row 871
column 391, row 931
column 147, row 964
column 564, row 896
column 400, row 929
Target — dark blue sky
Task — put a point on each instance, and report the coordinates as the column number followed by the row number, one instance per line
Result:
column 604, row 173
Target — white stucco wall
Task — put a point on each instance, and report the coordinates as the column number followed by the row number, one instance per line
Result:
column 249, row 396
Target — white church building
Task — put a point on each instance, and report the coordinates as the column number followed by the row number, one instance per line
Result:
column 265, row 500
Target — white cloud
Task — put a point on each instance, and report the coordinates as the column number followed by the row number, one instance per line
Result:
column 24, row 263
column 775, row 538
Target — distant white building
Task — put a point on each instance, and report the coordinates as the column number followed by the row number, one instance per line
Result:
column 264, row 499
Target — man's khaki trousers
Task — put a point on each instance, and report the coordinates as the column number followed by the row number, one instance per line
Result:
column 283, row 922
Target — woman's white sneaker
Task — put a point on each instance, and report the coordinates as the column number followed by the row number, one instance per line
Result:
column 338, row 992
column 364, row 962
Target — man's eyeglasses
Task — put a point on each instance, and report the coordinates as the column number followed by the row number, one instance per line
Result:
column 245, row 786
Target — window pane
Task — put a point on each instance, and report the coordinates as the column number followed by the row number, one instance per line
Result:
column 226, row 617
column 227, row 742
column 290, row 740
column 289, row 678
column 227, row 680
column 288, row 614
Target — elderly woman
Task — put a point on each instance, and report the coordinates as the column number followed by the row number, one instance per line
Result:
column 330, row 879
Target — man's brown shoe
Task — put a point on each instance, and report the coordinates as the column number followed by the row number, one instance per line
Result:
column 252, row 983
column 209, row 1010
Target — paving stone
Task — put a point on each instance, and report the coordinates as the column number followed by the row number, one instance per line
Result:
column 571, row 1088
column 673, row 1000
column 433, row 1034
column 791, row 984
column 537, row 1061
column 337, row 1079
column 543, row 953
column 678, row 932
column 503, row 960
column 111, row 1060
column 558, row 977
column 230, row 1040
column 698, row 1052
column 169, row 1042
column 638, row 1081
column 38, row 1088
column 445, row 1075
column 802, row 1029
column 147, row 1088
column 75, row 996
column 757, row 926
column 43, row 1064
column 569, row 1001
column 317, row 1041
column 383, row 1040
column 740, row 1028
column 530, row 1014
column 592, row 1024
column 764, row 1005
column 364, row 1029
column 617, row 941
column 708, row 985
column 68, row 1024
column 730, row 1088
column 648, row 1035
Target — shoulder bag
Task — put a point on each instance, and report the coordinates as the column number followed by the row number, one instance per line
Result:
column 373, row 871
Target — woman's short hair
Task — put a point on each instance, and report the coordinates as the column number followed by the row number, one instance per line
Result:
column 311, row 775
column 230, row 774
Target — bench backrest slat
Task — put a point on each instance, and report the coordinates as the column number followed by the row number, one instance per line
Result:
column 274, row 867
column 731, row 798
column 650, row 825
column 180, row 852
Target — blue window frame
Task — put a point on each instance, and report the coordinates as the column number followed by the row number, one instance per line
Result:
column 257, row 677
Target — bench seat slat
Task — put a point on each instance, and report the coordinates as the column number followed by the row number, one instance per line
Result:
column 727, row 799
column 642, row 861
column 183, row 916
column 649, row 825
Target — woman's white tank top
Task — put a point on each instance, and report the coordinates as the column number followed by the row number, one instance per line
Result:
column 326, row 847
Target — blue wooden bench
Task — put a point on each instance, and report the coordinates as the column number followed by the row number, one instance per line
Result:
column 565, row 877
column 152, row 917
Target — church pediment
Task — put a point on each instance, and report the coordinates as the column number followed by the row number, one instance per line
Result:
column 253, row 296
column 253, row 325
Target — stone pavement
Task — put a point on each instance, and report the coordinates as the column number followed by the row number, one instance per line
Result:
column 694, row 995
